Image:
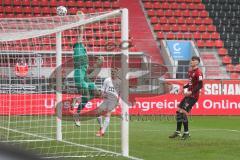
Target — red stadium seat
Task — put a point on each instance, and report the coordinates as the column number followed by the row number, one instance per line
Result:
column 73, row 10
column 71, row 3
column 206, row 36
column 157, row 5
column 210, row 43
column 237, row 68
column 180, row 1
column 179, row 35
column 89, row 4
column 61, row 3
column 219, row 43
column 8, row 9
column 1, row 9
column 157, row 27
column 200, row 44
column 160, row 13
column 191, row 6
column 174, row 6
column 172, row 20
column 189, row 21
column 165, row 6
column 226, row 60
column 163, row 20
column 183, row 6
column 177, row 13
column 202, row 28
column 170, row 35
column 197, row 1
column 44, row 3
column 181, row 20
column 20, row 15
column 46, row 10
column 154, row 20
column 193, row 28
column 197, row 36
column 37, row 10
column 175, row 28
column 215, row 35
column 18, row 9
column 222, row 51
column 187, row 36
column 203, row 14
column 186, row 13
column 168, row 13
column 211, row 28
column 234, row 75
column 115, row 5
column 17, row 2
column 230, row 68
column 198, row 21
column 35, row 2
column 148, row 5
column 166, row 28
column 207, row 21
column 160, row 35
column 80, row 4
column 195, row 13
column 53, row 3
column 7, row 3
column 184, row 28
column 106, row 4
column 26, row 2
column 200, row 6
column 151, row 13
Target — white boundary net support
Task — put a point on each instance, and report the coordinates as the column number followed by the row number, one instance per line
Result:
column 47, row 131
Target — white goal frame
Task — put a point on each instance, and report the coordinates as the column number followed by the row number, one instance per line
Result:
column 124, row 91
column 124, row 70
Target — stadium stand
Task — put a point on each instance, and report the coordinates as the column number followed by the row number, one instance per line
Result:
column 211, row 23
column 206, row 22
column 35, row 8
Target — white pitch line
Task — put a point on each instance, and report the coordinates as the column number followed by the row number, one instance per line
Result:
column 30, row 134
column 32, row 140
column 76, row 144
column 195, row 130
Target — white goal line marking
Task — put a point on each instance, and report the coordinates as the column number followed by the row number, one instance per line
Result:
column 75, row 144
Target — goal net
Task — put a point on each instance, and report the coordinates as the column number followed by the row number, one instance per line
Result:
column 40, row 95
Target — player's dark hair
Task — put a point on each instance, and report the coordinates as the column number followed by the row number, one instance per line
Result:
column 196, row 58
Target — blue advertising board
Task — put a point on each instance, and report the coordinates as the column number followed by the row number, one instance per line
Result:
column 180, row 50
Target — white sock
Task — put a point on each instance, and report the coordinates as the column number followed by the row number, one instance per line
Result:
column 99, row 119
column 106, row 124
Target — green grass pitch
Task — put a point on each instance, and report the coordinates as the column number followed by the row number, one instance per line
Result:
column 212, row 138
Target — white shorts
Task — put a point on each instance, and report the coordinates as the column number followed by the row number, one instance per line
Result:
column 107, row 105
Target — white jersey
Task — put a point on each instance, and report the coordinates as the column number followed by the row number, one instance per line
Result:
column 111, row 88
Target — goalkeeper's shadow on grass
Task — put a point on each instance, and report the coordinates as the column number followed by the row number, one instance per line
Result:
column 10, row 152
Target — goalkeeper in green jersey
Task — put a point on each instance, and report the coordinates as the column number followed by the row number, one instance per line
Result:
column 84, row 85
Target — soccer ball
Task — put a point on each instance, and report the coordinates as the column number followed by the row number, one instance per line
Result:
column 61, row 11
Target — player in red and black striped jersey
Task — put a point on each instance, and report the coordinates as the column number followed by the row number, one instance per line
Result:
column 191, row 95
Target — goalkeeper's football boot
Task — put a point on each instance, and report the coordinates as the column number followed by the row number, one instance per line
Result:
column 175, row 135
column 100, row 133
column 185, row 136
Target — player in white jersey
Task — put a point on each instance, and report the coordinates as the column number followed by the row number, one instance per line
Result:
column 110, row 93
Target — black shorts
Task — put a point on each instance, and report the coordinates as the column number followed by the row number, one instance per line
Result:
column 187, row 103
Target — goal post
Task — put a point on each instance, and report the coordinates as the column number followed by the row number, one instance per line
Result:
column 125, row 86
column 35, row 111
